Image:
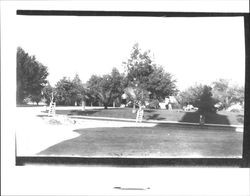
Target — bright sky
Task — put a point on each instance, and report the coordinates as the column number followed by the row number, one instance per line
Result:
column 192, row 49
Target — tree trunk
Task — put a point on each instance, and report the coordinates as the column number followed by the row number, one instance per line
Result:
column 83, row 105
column 134, row 110
column 105, row 106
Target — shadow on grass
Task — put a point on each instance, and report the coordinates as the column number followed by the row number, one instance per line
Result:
column 211, row 118
column 77, row 112
column 150, row 110
column 154, row 117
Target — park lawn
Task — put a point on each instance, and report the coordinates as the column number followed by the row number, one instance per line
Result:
column 159, row 141
column 221, row 117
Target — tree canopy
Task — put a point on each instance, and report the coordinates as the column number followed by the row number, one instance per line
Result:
column 145, row 76
column 199, row 96
column 226, row 93
column 206, row 102
column 31, row 77
column 161, row 84
column 106, row 88
column 69, row 92
column 142, row 80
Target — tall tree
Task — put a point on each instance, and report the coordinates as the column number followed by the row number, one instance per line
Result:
column 236, row 94
column 206, row 102
column 190, row 95
column 138, row 67
column 31, row 76
column 63, row 89
column 199, row 96
column 106, row 88
column 146, row 77
column 227, row 93
column 161, row 84
column 92, row 90
column 101, row 87
column 117, row 84
column 220, row 92
column 69, row 92
column 79, row 92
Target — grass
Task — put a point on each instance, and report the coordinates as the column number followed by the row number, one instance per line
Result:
column 159, row 141
column 222, row 117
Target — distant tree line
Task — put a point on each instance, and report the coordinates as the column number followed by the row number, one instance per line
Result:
column 217, row 96
column 142, row 81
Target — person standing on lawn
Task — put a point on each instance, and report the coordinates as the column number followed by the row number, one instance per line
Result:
column 202, row 119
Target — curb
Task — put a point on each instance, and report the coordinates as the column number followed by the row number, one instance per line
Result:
column 157, row 122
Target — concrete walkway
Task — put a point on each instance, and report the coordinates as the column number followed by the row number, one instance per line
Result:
column 238, row 128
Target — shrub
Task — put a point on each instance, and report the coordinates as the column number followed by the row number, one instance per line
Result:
column 154, row 104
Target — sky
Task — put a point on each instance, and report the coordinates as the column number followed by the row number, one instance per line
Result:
column 193, row 50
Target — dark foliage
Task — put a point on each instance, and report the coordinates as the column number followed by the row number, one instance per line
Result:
column 31, row 77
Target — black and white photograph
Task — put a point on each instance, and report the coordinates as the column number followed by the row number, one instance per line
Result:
column 125, row 98
column 130, row 87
